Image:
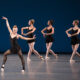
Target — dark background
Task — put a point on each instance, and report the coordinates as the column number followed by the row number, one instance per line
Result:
column 19, row 12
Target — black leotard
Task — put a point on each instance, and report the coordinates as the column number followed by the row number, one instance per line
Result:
column 49, row 38
column 15, row 48
column 74, row 39
column 30, row 36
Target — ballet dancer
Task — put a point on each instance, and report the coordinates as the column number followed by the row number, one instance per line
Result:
column 75, row 30
column 49, row 39
column 15, row 48
column 30, row 32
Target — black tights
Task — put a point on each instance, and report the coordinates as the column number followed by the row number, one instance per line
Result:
column 20, row 55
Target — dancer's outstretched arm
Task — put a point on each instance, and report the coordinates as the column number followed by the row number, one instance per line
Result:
column 7, row 23
column 21, row 37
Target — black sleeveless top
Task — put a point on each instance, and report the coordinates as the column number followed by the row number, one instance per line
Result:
column 49, row 38
column 30, row 36
column 74, row 39
column 14, row 45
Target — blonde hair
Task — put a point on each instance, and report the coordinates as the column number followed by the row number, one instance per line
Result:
column 15, row 26
column 32, row 21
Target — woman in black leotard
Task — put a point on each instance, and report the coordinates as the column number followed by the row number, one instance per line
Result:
column 49, row 39
column 15, row 48
column 74, row 38
column 30, row 32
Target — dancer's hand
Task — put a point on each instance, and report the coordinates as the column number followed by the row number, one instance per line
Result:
column 22, row 33
column 5, row 18
column 69, row 35
column 44, row 34
column 34, row 36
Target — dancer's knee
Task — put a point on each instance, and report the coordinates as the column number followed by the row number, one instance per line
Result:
column 5, row 55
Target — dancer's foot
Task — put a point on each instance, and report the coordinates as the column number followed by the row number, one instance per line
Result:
column 56, row 56
column 2, row 68
column 72, row 61
column 41, row 57
column 47, row 58
column 23, row 71
column 28, row 59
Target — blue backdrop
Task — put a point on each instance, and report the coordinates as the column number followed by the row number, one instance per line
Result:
column 19, row 12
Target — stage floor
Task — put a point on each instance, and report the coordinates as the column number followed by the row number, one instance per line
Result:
column 53, row 69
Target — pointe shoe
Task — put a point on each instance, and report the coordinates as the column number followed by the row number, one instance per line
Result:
column 41, row 57
column 47, row 58
column 56, row 56
column 28, row 59
column 2, row 68
column 72, row 61
column 22, row 71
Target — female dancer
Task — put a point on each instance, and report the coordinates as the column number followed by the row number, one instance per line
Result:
column 15, row 48
column 74, row 38
column 49, row 39
column 31, row 29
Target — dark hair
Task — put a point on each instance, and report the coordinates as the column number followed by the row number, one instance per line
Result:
column 51, row 21
column 76, row 22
